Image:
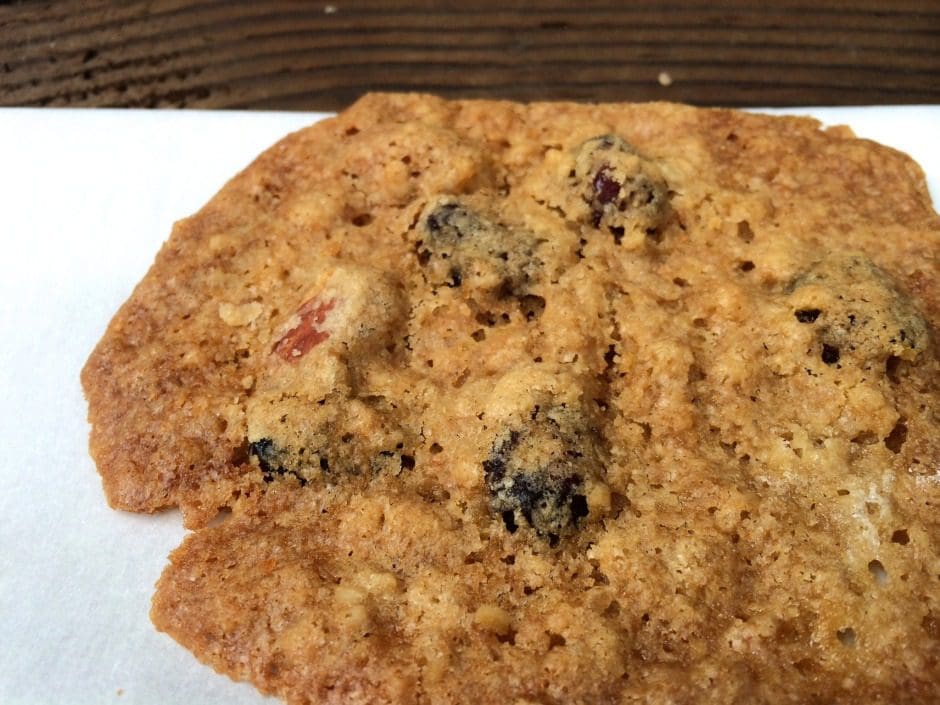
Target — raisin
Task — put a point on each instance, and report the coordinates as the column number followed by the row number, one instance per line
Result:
column 624, row 191
column 316, row 440
column 306, row 466
column 538, row 474
column 266, row 453
column 449, row 224
column 270, row 459
column 463, row 248
column 606, row 188
column 867, row 320
column 448, row 216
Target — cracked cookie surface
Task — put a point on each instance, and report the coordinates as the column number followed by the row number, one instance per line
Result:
column 545, row 403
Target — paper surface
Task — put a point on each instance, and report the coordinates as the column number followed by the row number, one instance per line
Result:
column 86, row 199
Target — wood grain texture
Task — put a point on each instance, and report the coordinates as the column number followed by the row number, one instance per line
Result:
column 321, row 56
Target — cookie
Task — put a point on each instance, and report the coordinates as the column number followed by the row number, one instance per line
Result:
column 552, row 403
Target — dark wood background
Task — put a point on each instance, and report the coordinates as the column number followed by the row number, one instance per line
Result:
column 322, row 55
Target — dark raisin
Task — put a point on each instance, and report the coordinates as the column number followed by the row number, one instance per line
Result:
column 271, row 460
column 538, row 475
column 623, row 190
column 267, row 454
column 807, row 315
column 318, row 438
column 441, row 217
column 859, row 313
column 548, row 503
column 495, row 465
column 407, row 462
column 606, row 188
column 830, row 354
column 465, row 248
column 447, row 224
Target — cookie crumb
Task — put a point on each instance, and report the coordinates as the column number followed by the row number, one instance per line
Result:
column 664, row 79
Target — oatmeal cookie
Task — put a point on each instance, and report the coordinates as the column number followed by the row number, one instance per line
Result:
column 546, row 403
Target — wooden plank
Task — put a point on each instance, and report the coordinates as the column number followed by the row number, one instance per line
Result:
column 320, row 56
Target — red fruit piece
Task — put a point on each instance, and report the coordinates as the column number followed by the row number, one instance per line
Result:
column 306, row 335
column 606, row 187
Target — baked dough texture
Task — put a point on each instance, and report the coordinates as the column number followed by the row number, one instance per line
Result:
column 481, row 402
